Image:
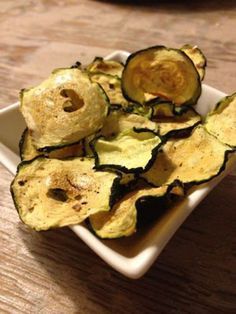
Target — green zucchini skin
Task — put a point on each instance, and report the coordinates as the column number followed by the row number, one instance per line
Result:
column 124, row 169
column 21, row 143
column 191, row 101
column 77, row 64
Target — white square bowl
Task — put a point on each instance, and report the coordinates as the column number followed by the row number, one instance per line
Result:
column 131, row 256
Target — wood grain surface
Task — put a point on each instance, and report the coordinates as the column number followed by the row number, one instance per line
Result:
column 55, row 272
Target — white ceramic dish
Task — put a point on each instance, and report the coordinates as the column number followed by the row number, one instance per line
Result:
column 130, row 256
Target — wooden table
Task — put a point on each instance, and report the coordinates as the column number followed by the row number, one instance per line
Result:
column 55, row 272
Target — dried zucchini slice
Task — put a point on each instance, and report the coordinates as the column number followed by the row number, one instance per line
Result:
column 195, row 159
column 121, row 220
column 221, row 122
column 198, row 58
column 50, row 193
column 130, row 151
column 99, row 65
column 28, row 150
column 63, row 109
column 112, row 87
column 186, row 120
column 118, row 121
column 160, row 72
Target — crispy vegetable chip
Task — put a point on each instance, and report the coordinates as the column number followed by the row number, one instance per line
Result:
column 221, row 122
column 160, row 72
column 51, row 193
column 195, row 159
column 130, row 151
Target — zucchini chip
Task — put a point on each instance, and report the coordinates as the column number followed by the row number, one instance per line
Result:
column 112, row 87
column 63, row 109
column 99, row 65
column 50, row 193
column 186, row 120
column 160, row 72
column 130, row 151
column 118, row 122
column 28, row 150
column 198, row 58
column 221, row 122
column 121, row 220
column 195, row 159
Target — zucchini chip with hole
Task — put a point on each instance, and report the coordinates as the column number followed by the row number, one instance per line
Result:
column 99, row 65
column 50, row 193
column 121, row 220
column 63, row 109
column 112, row 87
column 221, row 122
column 184, row 121
column 198, row 58
column 130, row 151
column 160, row 72
column 195, row 159
column 118, row 121
column 28, row 150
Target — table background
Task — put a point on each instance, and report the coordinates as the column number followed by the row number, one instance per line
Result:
column 54, row 272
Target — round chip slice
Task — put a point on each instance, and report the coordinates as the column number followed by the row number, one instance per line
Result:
column 130, row 151
column 63, row 109
column 160, row 72
column 50, row 193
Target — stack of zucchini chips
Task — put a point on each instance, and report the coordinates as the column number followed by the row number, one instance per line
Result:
column 116, row 144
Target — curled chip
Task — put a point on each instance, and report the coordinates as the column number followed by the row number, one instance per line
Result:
column 130, row 151
column 221, row 122
column 195, row 159
column 160, row 72
column 63, row 109
column 121, row 220
column 51, row 193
